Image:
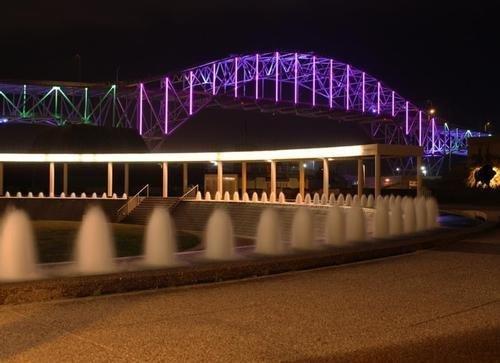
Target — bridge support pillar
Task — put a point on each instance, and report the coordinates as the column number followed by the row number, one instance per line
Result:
column 302, row 184
column 110, row 180
column 1, row 179
column 326, row 178
column 243, row 178
column 273, row 178
column 220, row 185
column 52, row 179
column 164, row 167
column 361, row 178
column 126, row 179
column 377, row 175
column 65, row 179
column 184, row 177
column 419, row 176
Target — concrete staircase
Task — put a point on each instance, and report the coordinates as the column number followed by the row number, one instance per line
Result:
column 141, row 213
column 193, row 216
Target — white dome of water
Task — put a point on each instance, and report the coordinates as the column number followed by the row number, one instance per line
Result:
column 409, row 220
column 7, row 194
column 30, row 195
column 355, row 224
column 331, row 201
column 348, row 199
column 219, row 238
column 298, row 199
column 19, row 195
column 316, row 199
column 236, row 196
column 281, row 198
column 335, row 226
column 396, row 219
column 198, row 195
column 208, row 196
column 104, row 196
column 264, row 197
column 272, row 197
column 268, row 240
column 245, row 197
column 63, row 195
column 340, row 200
column 324, row 199
column 381, row 223
column 227, row 197
column 72, row 195
column 114, row 196
column 17, row 247
column 355, row 200
column 95, row 250
column 370, row 202
column 307, row 199
column 255, row 197
column 94, row 195
column 160, row 242
column 41, row 195
column 363, row 201
column 302, row 229
column 217, row 196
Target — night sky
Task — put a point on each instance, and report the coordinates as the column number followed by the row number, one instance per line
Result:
column 447, row 54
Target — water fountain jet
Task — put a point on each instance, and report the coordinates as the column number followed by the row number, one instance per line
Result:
column 160, row 242
column 219, row 238
column 268, row 240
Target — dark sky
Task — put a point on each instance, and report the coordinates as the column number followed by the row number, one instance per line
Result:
column 444, row 53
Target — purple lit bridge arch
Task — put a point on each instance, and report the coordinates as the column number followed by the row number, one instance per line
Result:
column 305, row 84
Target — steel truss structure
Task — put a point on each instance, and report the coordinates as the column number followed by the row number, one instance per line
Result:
column 289, row 83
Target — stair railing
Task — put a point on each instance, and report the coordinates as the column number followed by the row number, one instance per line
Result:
column 132, row 203
column 191, row 193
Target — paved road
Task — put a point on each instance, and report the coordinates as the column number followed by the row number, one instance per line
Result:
column 432, row 305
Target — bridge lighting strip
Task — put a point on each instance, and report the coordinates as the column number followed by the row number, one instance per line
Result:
column 214, row 75
column 378, row 98
column 296, row 81
column 314, row 82
column 276, row 96
column 286, row 154
column 141, row 90
column 257, row 76
column 406, row 118
column 190, row 92
column 166, row 105
column 347, row 87
column 235, row 77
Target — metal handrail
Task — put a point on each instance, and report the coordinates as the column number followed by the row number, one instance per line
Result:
column 184, row 196
column 132, row 202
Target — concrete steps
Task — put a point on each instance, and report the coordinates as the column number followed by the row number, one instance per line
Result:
column 193, row 216
column 141, row 213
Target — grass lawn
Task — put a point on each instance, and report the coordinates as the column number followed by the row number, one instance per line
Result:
column 55, row 240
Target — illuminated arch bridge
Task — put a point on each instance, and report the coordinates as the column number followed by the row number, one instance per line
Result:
column 299, row 83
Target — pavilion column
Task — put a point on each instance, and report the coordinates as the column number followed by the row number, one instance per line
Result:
column 377, row 175
column 65, row 179
column 361, row 178
column 126, row 179
column 243, row 177
column 184, row 177
column 302, row 174
column 419, row 176
column 220, row 185
column 110, row 180
column 1, row 179
column 273, row 177
column 326, row 177
column 164, row 167
column 52, row 179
